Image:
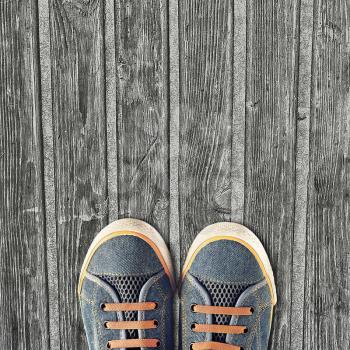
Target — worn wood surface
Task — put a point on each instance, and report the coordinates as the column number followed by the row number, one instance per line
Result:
column 24, row 307
column 271, row 88
column 205, row 46
column 181, row 113
column 327, row 281
column 143, row 111
column 79, row 148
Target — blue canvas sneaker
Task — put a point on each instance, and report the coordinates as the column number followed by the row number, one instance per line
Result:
column 228, row 291
column 126, row 288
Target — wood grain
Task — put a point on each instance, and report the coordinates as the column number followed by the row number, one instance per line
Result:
column 79, row 131
column 23, row 277
column 143, row 111
column 327, row 283
column 206, row 67
column 270, row 143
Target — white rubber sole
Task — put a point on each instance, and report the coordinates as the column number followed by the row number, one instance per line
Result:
column 123, row 226
column 241, row 234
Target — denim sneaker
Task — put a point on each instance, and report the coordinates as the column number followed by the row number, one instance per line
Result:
column 228, row 291
column 126, row 289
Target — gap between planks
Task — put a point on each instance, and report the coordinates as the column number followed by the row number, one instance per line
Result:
column 174, row 96
column 239, row 109
column 49, row 173
column 111, row 110
column 302, row 171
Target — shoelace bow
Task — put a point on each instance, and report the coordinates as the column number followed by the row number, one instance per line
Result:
column 131, row 325
column 215, row 328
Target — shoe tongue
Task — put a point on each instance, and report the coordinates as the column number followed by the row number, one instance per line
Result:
column 128, row 289
column 223, row 294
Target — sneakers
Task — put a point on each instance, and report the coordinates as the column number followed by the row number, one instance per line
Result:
column 126, row 287
column 228, row 291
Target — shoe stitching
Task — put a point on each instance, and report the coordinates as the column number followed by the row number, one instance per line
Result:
column 97, row 319
column 123, row 275
column 154, row 282
column 99, row 283
column 253, row 332
column 87, row 300
column 257, row 320
column 253, row 289
column 184, row 319
column 262, row 307
column 184, row 313
column 165, row 302
column 255, row 327
column 258, row 339
column 164, row 297
column 231, row 283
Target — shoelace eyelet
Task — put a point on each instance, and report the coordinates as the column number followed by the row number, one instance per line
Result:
column 192, row 307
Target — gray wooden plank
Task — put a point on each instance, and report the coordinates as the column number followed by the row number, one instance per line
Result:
column 327, row 283
column 143, row 111
column 206, row 67
column 79, row 138
column 302, row 172
column 23, row 276
column 272, row 46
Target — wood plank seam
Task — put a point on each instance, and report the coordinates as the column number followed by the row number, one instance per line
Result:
column 302, row 171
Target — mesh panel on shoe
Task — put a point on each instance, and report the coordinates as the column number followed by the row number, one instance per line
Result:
column 128, row 289
column 223, row 295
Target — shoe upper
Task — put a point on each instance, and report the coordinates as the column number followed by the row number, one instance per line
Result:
column 126, row 270
column 225, row 273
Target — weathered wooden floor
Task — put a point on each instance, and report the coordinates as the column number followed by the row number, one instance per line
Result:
column 181, row 113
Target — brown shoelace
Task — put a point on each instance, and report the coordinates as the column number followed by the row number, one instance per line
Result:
column 131, row 325
column 215, row 328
